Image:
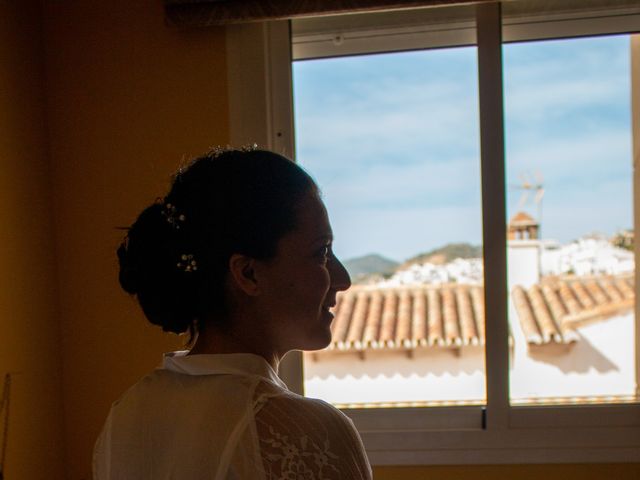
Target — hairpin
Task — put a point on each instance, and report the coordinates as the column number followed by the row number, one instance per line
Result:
column 249, row 147
column 219, row 150
column 173, row 217
column 187, row 263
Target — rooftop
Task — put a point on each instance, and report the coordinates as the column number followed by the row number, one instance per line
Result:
column 550, row 311
column 452, row 315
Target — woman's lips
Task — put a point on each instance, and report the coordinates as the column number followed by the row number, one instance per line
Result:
column 327, row 311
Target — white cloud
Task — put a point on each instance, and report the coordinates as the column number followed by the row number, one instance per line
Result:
column 551, row 79
column 583, row 154
column 367, row 135
column 387, row 117
column 394, row 152
column 432, row 183
column 560, row 98
column 401, row 233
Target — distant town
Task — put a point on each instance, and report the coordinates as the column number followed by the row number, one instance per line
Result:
column 462, row 262
column 414, row 333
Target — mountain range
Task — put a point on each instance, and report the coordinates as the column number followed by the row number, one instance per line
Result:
column 379, row 265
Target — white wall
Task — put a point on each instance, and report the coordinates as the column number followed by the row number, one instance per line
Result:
column 600, row 363
column 523, row 262
column 434, row 374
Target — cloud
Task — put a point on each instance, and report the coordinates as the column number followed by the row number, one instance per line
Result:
column 383, row 108
column 578, row 158
column 557, row 81
column 387, row 186
column 402, row 232
column 407, row 125
column 394, row 141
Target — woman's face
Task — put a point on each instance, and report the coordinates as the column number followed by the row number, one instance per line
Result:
column 302, row 281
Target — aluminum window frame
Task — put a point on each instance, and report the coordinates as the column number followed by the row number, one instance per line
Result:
column 261, row 110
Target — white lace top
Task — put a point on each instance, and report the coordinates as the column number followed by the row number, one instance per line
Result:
column 224, row 417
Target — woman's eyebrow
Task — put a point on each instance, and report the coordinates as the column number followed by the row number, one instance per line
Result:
column 324, row 237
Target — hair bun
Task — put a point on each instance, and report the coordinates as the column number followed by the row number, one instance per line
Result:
column 129, row 275
column 176, row 254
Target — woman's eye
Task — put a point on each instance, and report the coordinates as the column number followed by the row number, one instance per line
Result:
column 324, row 251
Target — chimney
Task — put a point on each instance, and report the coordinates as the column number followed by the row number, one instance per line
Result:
column 523, row 251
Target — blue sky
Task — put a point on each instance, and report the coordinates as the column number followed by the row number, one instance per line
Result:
column 393, row 141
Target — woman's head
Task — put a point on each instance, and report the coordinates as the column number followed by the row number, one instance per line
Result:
column 176, row 256
column 290, row 294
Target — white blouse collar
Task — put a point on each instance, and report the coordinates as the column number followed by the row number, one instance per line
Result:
column 228, row 363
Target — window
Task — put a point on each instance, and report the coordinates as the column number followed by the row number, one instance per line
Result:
column 393, row 141
column 569, row 170
column 506, row 425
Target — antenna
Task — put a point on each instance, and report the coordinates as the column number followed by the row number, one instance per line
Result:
column 528, row 186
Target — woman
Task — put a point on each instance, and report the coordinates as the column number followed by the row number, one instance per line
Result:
column 238, row 254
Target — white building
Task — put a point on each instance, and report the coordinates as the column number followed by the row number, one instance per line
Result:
column 412, row 342
column 460, row 270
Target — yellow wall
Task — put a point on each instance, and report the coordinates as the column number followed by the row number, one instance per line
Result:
column 29, row 331
column 123, row 98
column 128, row 98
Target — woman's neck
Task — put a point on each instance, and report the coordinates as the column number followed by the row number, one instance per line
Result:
column 212, row 340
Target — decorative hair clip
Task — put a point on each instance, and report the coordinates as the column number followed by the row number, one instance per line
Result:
column 187, row 263
column 219, row 150
column 173, row 217
column 249, row 147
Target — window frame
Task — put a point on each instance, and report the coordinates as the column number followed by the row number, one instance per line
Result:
column 261, row 110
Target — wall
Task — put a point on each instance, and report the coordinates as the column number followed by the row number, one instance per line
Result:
column 125, row 97
column 128, row 98
column 386, row 375
column 29, row 333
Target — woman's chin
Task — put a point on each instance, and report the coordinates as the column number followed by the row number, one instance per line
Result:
column 319, row 341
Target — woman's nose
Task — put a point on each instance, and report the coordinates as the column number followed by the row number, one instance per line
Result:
column 340, row 279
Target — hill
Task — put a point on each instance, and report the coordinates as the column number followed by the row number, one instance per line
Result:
column 369, row 264
column 446, row 254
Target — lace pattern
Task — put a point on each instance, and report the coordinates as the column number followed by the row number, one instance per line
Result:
column 225, row 417
column 294, row 456
column 305, row 439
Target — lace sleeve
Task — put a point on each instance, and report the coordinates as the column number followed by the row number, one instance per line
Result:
column 306, row 439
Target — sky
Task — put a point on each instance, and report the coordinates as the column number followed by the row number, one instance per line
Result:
column 393, row 141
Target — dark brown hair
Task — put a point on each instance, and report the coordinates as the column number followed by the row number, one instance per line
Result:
column 233, row 201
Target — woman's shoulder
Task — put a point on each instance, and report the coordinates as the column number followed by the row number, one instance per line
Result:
column 307, row 416
column 293, row 402
column 322, row 409
column 310, row 434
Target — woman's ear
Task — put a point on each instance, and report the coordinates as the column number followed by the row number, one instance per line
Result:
column 243, row 274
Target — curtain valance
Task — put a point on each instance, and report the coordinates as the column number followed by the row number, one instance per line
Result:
column 187, row 13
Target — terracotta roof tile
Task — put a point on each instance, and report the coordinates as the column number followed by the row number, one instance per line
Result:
column 388, row 326
column 452, row 315
column 435, row 328
column 541, row 326
column 408, row 317
column 568, row 298
column 359, row 316
column 550, row 311
column 374, row 320
column 522, row 218
column 468, row 330
column 477, row 301
column 403, row 324
column 585, row 300
column 419, row 328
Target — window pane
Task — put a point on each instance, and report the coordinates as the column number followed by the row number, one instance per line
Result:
column 570, row 205
column 393, row 141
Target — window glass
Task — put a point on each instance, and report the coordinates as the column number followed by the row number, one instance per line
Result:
column 393, row 141
column 570, row 211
